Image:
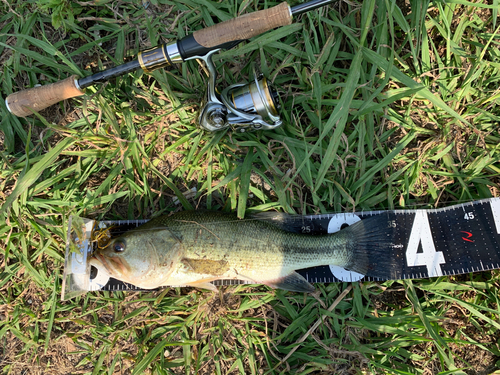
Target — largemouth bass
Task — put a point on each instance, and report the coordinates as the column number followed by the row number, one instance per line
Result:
column 194, row 248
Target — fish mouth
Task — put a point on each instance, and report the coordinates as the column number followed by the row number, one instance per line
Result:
column 113, row 265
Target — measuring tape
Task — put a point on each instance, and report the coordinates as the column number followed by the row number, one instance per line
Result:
column 427, row 243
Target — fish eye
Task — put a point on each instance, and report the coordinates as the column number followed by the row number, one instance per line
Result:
column 119, row 246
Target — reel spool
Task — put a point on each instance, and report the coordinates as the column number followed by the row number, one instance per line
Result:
column 252, row 104
column 243, row 107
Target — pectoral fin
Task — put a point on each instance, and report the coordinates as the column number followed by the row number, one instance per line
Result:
column 293, row 282
column 207, row 266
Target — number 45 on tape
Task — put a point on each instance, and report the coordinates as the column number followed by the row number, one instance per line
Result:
column 435, row 242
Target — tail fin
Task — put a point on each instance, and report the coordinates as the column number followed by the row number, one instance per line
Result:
column 373, row 248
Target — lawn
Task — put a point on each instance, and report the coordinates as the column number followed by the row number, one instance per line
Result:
column 385, row 104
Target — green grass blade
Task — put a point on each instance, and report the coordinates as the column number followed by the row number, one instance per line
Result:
column 246, row 171
column 410, row 83
column 35, row 172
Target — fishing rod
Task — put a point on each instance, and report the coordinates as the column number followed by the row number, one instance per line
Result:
column 244, row 106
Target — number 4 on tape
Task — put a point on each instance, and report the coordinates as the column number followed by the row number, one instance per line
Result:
column 429, row 257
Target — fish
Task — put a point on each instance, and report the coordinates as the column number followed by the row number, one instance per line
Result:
column 195, row 248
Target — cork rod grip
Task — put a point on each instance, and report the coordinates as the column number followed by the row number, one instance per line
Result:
column 24, row 103
column 244, row 27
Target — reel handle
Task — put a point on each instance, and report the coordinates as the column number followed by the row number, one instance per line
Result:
column 24, row 103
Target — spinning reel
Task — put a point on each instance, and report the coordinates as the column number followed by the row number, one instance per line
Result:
column 242, row 107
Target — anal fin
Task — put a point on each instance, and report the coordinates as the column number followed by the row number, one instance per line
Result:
column 293, row 282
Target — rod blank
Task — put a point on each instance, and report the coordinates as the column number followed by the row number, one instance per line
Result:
column 310, row 5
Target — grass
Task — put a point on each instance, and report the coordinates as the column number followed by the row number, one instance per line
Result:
column 386, row 104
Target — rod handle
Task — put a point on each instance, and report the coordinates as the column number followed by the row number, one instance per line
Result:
column 24, row 103
column 244, row 27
